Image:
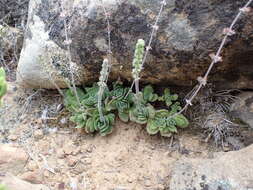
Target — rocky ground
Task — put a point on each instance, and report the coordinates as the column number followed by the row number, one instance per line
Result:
column 41, row 150
column 40, row 146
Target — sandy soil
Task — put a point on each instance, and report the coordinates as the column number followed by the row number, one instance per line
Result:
column 65, row 158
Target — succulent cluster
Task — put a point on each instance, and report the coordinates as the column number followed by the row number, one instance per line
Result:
column 3, row 84
column 2, row 187
column 119, row 100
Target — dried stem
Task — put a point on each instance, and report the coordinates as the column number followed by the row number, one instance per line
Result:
column 215, row 58
column 155, row 27
column 106, row 67
column 67, row 40
column 109, row 51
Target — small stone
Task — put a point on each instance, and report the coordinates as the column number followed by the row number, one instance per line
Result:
column 160, row 187
column 148, row 183
column 76, row 151
column 34, row 177
column 12, row 159
column 13, row 137
column 71, row 161
column 38, row 134
column 46, row 173
column 68, row 149
column 60, row 153
column 32, row 166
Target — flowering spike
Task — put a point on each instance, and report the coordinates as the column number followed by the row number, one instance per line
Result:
column 138, row 56
column 102, row 85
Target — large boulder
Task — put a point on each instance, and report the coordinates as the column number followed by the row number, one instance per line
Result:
column 188, row 32
column 229, row 171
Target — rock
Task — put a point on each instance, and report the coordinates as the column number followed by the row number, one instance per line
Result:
column 34, row 177
column 38, row 134
column 12, row 159
column 60, row 153
column 242, row 109
column 11, row 40
column 228, row 171
column 148, row 183
column 188, row 32
column 69, row 149
column 72, row 161
column 13, row 12
column 32, row 166
column 14, row 183
column 13, row 137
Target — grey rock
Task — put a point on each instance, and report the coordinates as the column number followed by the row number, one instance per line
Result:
column 14, row 12
column 188, row 32
column 12, row 159
column 11, row 40
column 13, row 183
column 242, row 109
column 227, row 171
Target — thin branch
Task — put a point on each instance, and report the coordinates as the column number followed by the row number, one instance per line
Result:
column 67, row 40
column 216, row 58
column 155, row 28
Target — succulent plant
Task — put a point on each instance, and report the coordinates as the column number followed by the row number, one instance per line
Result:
column 3, row 84
column 70, row 100
column 80, row 119
column 129, row 106
column 91, row 98
column 148, row 94
column 121, row 101
column 141, row 113
column 168, row 98
column 95, row 124
column 165, row 124
column 3, row 187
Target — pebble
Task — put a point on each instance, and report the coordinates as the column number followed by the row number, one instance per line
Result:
column 38, row 134
column 32, row 166
column 13, row 137
column 60, row 154
column 148, row 183
column 71, row 161
column 34, row 177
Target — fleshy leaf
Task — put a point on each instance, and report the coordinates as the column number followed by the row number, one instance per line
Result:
column 181, row 121
column 152, row 127
column 124, row 116
column 148, row 94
